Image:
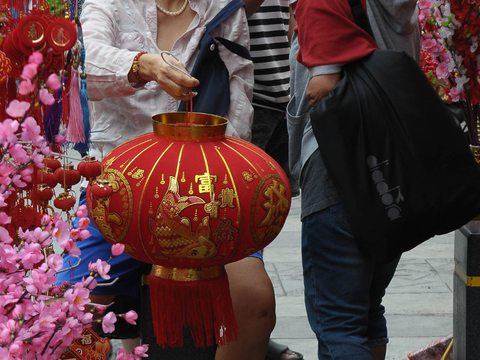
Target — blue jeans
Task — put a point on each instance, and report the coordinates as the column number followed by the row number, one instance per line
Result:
column 343, row 288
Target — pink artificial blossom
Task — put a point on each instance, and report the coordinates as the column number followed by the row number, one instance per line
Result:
column 118, row 249
column 16, row 349
column 31, row 255
column 83, row 223
column 141, row 351
column 36, row 58
column 19, row 154
column 53, row 82
column 55, row 262
column 61, row 231
column 8, row 129
column 121, row 355
column 82, row 211
column 5, row 237
column 70, row 247
column 29, row 71
column 455, row 94
column 45, row 97
column 99, row 308
column 84, row 234
column 26, row 87
column 4, row 219
column 108, row 321
column 442, row 71
column 103, row 268
column 31, row 131
column 130, row 317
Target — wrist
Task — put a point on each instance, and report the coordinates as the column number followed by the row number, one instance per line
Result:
column 135, row 69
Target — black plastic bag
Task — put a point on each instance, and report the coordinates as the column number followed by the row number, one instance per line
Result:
column 397, row 156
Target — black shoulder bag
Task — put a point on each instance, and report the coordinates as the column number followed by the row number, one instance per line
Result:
column 214, row 89
column 398, row 158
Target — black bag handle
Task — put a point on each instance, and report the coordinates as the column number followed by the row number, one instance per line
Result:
column 360, row 16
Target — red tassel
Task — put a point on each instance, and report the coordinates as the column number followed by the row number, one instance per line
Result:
column 76, row 130
column 204, row 306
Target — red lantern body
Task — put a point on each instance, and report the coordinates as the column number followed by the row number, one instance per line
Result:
column 90, row 168
column 188, row 197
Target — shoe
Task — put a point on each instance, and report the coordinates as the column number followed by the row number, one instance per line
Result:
column 276, row 350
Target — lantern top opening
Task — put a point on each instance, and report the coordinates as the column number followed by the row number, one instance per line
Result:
column 182, row 126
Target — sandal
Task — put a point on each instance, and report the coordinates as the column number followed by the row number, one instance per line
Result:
column 276, row 350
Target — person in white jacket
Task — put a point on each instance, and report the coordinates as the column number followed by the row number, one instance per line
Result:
column 128, row 83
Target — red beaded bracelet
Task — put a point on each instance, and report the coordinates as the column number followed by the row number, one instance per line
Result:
column 136, row 66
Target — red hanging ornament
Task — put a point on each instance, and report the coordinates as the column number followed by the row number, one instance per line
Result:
column 45, row 176
column 61, row 35
column 64, row 201
column 189, row 199
column 32, row 31
column 102, row 190
column 67, row 176
column 51, row 162
column 44, row 193
column 90, row 168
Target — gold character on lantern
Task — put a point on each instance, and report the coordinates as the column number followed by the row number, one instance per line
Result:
column 224, row 231
column 276, row 204
column 33, row 32
column 228, row 197
column 206, row 183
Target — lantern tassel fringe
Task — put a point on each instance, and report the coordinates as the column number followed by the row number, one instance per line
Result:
column 203, row 306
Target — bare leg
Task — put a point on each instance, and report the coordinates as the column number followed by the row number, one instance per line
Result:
column 254, row 304
column 130, row 344
column 379, row 352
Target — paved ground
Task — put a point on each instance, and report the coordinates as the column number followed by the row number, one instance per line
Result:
column 419, row 301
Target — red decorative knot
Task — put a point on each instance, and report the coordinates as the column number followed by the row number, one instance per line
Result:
column 67, row 176
column 102, row 189
column 44, row 193
column 61, row 34
column 90, row 168
column 5, row 67
column 51, row 162
column 45, row 176
column 64, row 201
column 31, row 31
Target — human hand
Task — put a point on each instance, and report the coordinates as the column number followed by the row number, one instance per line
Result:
column 320, row 86
column 174, row 82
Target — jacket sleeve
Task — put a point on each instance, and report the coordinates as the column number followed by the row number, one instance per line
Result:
column 106, row 63
column 328, row 35
column 240, row 111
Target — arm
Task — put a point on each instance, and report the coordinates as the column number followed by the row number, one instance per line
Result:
column 320, row 49
column 240, row 112
column 110, row 54
column 251, row 6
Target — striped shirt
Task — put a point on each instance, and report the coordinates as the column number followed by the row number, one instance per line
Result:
column 269, row 49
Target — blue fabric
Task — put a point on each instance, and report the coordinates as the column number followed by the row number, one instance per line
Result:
column 96, row 247
column 258, row 254
column 343, row 288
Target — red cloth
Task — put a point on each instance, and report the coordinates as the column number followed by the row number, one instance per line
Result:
column 327, row 33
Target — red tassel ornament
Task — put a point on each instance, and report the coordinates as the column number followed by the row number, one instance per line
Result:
column 172, row 291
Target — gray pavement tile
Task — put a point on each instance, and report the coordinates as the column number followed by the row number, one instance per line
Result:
column 418, row 325
column 418, row 304
column 293, row 327
column 417, row 276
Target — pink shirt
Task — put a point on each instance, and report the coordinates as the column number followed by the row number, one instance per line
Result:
column 116, row 30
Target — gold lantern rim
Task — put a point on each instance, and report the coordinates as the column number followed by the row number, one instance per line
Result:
column 183, row 126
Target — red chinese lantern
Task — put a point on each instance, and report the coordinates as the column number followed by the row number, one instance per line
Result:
column 64, row 201
column 67, row 176
column 189, row 199
column 90, row 168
